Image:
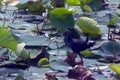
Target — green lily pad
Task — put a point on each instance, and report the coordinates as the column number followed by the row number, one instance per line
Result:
column 111, row 47
column 7, row 40
column 89, row 26
column 89, row 54
column 62, row 19
column 113, row 21
column 73, row 2
column 116, row 68
column 95, row 5
column 36, row 8
column 87, row 8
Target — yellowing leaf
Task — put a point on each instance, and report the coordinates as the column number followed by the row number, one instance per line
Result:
column 115, row 68
column 44, row 62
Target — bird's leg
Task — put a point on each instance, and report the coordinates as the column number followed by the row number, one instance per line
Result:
column 81, row 58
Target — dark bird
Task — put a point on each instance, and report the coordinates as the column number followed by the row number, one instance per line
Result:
column 77, row 45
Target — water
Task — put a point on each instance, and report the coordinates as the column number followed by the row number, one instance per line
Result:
column 35, row 73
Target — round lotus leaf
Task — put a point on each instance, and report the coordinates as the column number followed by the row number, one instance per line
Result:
column 44, row 62
column 111, row 47
column 62, row 19
column 89, row 26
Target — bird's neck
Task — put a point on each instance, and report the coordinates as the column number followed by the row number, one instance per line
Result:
column 70, row 39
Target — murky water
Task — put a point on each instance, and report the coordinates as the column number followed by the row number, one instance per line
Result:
column 27, row 36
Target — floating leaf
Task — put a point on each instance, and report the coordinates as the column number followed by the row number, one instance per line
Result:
column 36, row 8
column 111, row 47
column 113, row 21
column 89, row 54
column 87, row 8
column 22, row 6
column 44, row 62
column 84, row 2
column 89, row 26
column 116, row 68
column 24, row 54
column 7, row 40
column 62, row 19
column 95, row 5
column 73, row 2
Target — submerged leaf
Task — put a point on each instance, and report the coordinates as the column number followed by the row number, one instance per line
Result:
column 7, row 40
column 89, row 26
column 116, row 68
column 62, row 19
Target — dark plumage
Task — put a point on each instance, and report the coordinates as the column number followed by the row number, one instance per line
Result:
column 77, row 45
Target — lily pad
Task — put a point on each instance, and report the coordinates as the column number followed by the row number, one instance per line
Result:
column 111, row 47
column 59, row 65
column 89, row 54
column 73, row 2
column 116, row 68
column 7, row 40
column 89, row 26
column 62, row 19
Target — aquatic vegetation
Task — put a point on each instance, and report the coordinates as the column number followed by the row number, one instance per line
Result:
column 33, row 7
column 36, row 8
column 56, row 3
column 113, row 21
column 116, row 68
column 89, row 26
column 73, row 2
column 90, row 54
column 7, row 40
column 62, row 19
column 44, row 62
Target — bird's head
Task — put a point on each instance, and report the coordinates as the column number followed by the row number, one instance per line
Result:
column 67, row 33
